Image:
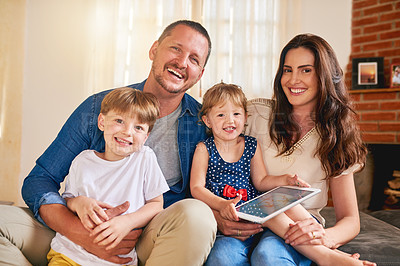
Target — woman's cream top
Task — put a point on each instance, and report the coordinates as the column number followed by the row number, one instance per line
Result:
column 302, row 161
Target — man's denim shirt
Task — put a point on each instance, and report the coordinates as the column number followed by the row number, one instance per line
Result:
column 80, row 132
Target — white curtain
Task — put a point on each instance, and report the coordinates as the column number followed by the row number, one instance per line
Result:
column 140, row 23
column 244, row 36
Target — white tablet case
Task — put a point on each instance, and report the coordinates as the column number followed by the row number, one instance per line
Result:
column 274, row 202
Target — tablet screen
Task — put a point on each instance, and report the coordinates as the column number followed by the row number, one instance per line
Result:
column 274, row 201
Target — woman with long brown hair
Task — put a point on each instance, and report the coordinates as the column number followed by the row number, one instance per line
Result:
column 308, row 129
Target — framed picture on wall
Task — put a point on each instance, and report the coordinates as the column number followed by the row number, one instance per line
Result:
column 367, row 73
column 395, row 75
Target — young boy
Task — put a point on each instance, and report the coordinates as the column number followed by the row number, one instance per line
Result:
column 125, row 171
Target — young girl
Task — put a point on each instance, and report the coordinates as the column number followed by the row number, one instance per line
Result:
column 229, row 161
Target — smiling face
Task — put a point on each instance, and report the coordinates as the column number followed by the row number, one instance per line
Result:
column 226, row 121
column 123, row 134
column 178, row 60
column 299, row 79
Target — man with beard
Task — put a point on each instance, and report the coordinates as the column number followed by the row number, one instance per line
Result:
column 183, row 233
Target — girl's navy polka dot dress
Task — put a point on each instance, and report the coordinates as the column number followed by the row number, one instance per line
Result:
column 237, row 175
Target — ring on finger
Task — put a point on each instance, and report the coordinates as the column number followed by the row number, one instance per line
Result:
column 239, row 233
column 313, row 235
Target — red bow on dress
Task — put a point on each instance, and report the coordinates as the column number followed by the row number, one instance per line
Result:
column 232, row 192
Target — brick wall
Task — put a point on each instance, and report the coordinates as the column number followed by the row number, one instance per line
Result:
column 376, row 33
column 379, row 116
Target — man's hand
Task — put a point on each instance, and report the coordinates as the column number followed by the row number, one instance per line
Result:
column 118, row 210
column 61, row 219
column 239, row 230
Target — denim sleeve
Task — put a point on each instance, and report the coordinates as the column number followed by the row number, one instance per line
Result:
column 42, row 184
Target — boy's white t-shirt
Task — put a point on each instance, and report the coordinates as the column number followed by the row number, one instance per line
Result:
column 136, row 178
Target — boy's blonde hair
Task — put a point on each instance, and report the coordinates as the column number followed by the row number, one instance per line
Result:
column 142, row 105
column 219, row 94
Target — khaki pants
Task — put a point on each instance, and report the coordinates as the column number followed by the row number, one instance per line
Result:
column 182, row 234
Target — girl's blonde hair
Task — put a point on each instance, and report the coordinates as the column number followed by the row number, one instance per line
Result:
column 142, row 105
column 219, row 94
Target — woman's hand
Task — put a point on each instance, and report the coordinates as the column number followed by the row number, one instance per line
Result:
column 308, row 231
column 239, row 230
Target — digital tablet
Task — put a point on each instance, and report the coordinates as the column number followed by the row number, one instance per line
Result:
column 274, row 202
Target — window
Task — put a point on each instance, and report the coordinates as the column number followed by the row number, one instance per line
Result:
column 243, row 33
column 244, row 37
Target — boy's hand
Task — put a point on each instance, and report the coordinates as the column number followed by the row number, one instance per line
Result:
column 228, row 211
column 294, row 180
column 111, row 232
column 90, row 211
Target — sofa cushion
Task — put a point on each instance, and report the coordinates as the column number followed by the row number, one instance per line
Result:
column 377, row 241
column 390, row 216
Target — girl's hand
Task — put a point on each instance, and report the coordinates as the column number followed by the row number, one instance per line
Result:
column 90, row 211
column 228, row 210
column 111, row 232
column 294, row 180
column 308, row 231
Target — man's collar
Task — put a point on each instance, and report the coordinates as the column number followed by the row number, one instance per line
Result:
column 188, row 104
